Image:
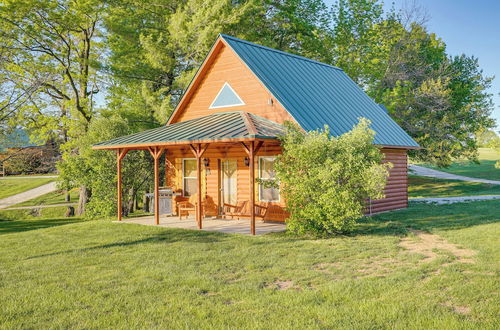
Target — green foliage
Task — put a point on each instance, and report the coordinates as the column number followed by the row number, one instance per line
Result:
column 327, row 180
column 96, row 169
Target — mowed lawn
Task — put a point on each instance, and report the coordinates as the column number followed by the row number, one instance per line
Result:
column 52, row 198
column 9, row 187
column 420, row 187
column 485, row 170
column 100, row 274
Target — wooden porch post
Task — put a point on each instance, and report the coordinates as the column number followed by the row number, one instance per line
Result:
column 156, row 153
column 252, row 188
column 251, row 151
column 198, row 151
column 120, row 153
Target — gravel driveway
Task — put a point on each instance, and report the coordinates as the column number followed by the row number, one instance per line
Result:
column 27, row 195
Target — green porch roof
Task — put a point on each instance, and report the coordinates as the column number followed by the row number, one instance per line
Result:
column 222, row 126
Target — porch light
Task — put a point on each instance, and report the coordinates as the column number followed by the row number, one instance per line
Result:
column 247, row 161
column 206, row 162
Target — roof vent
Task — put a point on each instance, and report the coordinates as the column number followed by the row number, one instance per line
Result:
column 226, row 97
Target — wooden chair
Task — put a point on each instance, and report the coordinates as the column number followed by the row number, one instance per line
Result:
column 184, row 207
column 275, row 213
column 234, row 210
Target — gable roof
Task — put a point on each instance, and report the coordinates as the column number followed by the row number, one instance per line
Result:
column 217, row 127
column 318, row 94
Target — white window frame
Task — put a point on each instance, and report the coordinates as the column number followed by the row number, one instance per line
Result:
column 226, row 106
column 260, row 185
column 183, row 177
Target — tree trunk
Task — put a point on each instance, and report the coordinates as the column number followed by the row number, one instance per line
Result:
column 83, row 200
column 131, row 194
column 67, row 196
column 145, row 201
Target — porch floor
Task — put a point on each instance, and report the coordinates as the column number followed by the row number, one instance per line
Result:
column 211, row 224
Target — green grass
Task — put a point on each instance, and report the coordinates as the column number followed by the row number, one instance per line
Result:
column 431, row 187
column 11, row 187
column 55, row 197
column 99, row 274
column 485, row 170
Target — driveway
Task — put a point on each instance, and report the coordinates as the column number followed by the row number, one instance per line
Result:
column 424, row 171
column 27, row 195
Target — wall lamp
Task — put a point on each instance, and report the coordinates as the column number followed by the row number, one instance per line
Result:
column 247, row 161
column 206, row 162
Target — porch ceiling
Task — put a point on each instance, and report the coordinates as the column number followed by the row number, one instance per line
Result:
column 217, row 127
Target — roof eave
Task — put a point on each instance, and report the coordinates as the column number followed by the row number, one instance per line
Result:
column 140, row 146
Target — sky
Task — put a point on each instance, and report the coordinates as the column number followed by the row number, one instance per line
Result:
column 470, row 27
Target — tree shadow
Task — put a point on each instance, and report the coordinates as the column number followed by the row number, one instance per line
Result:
column 8, row 226
column 430, row 217
column 168, row 236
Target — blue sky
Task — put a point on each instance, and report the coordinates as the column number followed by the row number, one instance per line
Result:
column 471, row 27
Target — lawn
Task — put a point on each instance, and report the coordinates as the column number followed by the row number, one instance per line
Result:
column 9, row 187
column 485, row 170
column 55, row 197
column 431, row 187
column 96, row 274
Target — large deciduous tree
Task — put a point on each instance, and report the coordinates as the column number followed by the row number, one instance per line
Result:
column 52, row 49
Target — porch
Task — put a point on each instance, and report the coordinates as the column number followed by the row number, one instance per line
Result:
column 210, row 224
column 211, row 164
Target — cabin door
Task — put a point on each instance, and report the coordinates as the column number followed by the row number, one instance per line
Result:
column 228, row 181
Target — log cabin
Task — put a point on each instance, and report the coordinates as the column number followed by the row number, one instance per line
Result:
column 223, row 134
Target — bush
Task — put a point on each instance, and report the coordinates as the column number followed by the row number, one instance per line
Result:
column 326, row 180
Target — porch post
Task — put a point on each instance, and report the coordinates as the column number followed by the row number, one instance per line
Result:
column 252, row 187
column 198, row 179
column 198, row 152
column 156, row 153
column 251, row 152
column 120, row 153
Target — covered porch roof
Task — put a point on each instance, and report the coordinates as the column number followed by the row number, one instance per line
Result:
column 216, row 127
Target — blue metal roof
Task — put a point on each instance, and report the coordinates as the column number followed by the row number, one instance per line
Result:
column 219, row 126
column 318, row 94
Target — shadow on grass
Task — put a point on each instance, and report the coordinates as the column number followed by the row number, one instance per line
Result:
column 14, row 226
column 430, row 217
column 171, row 235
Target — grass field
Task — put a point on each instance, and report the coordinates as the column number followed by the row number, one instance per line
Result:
column 485, row 170
column 420, row 187
column 63, row 273
column 55, row 197
column 11, row 187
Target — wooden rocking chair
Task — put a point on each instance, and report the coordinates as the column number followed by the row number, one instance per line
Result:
column 232, row 211
column 184, row 207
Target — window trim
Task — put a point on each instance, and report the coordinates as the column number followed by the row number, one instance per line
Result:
column 226, row 106
column 260, row 185
column 183, row 177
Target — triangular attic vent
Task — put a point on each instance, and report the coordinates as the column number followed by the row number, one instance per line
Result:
column 226, row 97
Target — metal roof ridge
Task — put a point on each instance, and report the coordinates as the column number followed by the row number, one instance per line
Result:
column 279, row 52
column 249, row 123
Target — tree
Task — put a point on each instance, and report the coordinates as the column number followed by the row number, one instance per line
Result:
column 53, row 48
column 96, row 170
column 326, row 180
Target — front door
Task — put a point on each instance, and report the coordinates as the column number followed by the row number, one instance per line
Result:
column 228, row 181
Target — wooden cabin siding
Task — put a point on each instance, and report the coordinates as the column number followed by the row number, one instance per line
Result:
column 227, row 67
column 210, row 179
column 396, row 190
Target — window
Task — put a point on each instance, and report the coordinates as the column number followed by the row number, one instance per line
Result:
column 266, row 173
column 189, row 179
column 226, row 97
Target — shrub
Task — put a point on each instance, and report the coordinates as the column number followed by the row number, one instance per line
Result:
column 326, row 180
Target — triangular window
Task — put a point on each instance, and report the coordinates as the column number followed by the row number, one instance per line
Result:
column 226, row 97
